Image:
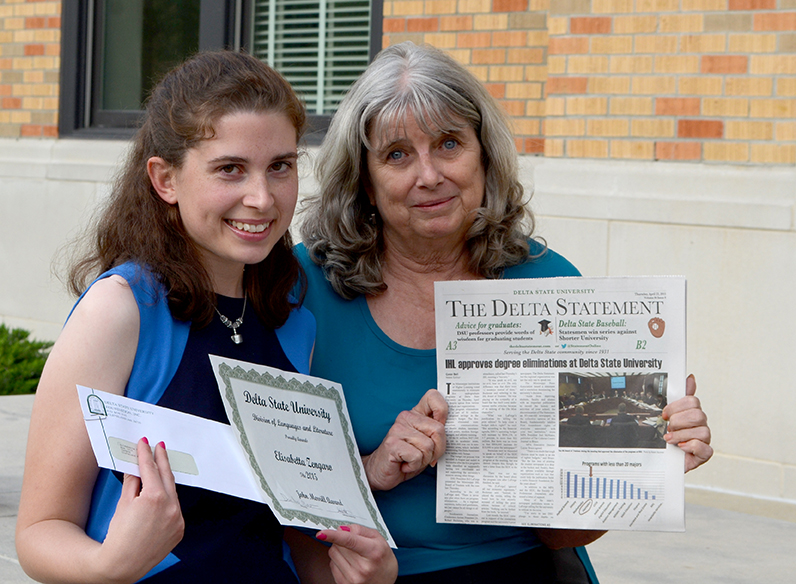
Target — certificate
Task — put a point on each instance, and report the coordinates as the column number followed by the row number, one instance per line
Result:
column 555, row 389
column 290, row 444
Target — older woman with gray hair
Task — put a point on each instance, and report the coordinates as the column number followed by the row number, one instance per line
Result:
column 418, row 184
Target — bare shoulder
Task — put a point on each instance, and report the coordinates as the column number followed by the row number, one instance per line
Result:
column 110, row 299
column 99, row 341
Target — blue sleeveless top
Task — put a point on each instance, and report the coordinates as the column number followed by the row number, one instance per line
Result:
column 226, row 538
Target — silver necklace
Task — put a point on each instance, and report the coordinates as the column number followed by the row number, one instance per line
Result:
column 236, row 338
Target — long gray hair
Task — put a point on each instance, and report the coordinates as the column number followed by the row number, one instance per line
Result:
column 339, row 228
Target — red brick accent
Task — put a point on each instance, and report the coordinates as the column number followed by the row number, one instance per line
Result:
column 35, row 22
column 566, row 85
column 525, row 56
column 725, row 64
column 54, row 22
column 700, row 129
column 488, row 56
column 509, row 5
column 11, row 103
column 752, row 5
column 589, row 25
column 533, row 145
column 34, row 50
column 422, row 24
column 30, row 130
column 514, row 108
column 677, row 106
column 5, row 90
column 678, row 150
column 775, row 21
column 394, row 25
column 513, row 38
column 469, row 40
column 568, row 45
column 455, row 23
column 50, row 131
column 496, row 90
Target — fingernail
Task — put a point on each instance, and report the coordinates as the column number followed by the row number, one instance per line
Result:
column 345, row 528
column 162, row 445
column 145, row 440
column 321, row 536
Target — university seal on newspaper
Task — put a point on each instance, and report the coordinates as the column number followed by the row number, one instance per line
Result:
column 657, row 326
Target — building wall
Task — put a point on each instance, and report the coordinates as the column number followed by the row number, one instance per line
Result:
column 655, row 153
column 686, row 80
column 691, row 80
column 30, row 45
column 729, row 230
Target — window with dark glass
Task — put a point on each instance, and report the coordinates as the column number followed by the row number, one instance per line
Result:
column 136, row 42
column 114, row 51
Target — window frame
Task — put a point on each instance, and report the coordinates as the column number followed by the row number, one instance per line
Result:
column 222, row 24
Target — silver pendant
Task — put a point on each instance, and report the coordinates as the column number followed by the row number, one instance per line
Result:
column 236, row 338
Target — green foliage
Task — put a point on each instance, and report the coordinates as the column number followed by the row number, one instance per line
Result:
column 21, row 361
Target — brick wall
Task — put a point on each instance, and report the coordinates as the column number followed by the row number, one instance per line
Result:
column 693, row 80
column 30, row 45
column 503, row 42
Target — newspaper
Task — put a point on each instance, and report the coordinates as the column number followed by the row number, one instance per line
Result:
column 556, row 388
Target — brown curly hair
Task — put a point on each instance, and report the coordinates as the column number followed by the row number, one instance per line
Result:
column 137, row 225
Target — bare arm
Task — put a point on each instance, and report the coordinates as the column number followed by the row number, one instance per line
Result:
column 96, row 348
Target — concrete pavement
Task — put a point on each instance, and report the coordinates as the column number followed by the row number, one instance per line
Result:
column 14, row 418
column 728, row 540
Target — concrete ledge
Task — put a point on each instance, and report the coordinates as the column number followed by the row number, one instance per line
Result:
column 655, row 192
column 742, row 503
column 753, row 476
column 67, row 160
column 674, row 193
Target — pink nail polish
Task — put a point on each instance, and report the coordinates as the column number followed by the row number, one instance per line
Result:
column 145, row 440
column 321, row 536
column 345, row 528
column 162, row 444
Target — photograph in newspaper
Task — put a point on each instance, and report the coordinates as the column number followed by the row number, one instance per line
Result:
column 603, row 410
column 556, row 389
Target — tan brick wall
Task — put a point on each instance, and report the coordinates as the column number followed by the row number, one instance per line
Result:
column 694, row 80
column 698, row 80
column 30, row 48
column 505, row 43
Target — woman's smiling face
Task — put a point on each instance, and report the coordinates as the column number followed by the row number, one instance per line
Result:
column 236, row 192
column 426, row 187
